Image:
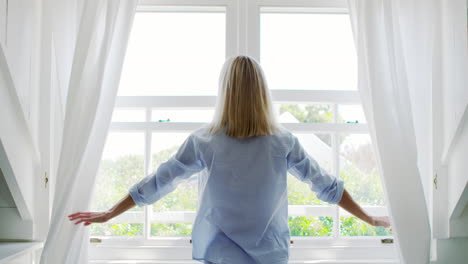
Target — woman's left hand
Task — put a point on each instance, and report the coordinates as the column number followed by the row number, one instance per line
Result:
column 89, row 217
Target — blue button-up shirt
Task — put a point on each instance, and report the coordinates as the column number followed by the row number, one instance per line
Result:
column 242, row 214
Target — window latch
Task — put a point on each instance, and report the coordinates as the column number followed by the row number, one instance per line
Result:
column 95, row 240
column 387, row 241
column 46, row 180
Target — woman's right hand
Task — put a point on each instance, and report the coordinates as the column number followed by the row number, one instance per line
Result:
column 380, row 221
column 89, row 217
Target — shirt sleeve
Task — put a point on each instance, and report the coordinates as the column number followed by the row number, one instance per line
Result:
column 165, row 179
column 327, row 187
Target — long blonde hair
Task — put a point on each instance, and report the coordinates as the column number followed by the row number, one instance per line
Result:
column 244, row 106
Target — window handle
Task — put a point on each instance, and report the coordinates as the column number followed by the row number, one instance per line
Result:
column 95, row 240
column 387, row 241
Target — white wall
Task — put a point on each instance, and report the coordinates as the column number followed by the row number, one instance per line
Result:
column 58, row 31
column 452, row 251
column 456, row 99
column 450, row 134
column 37, row 41
column 19, row 158
column 458, row 167
column 19, row 37
column 6, row 200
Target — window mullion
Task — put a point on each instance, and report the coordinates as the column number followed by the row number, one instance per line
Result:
column 253, row 29
column 242, row 26
column 283, row 96
column 232, row 28
column 249, row 28
column 336, row 170
column 148, row 209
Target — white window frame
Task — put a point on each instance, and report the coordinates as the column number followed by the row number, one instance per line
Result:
column 242, row 37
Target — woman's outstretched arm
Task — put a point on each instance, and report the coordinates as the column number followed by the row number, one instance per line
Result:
column 153, row 187
column 101, row 217
column 351, row 206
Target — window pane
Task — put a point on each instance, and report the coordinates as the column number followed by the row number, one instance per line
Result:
column 129, row 115
column 318, row 146
column 172, row 53
column 351, row 114
column 175, row 229
column 358, row 169
column 310, row 226
column 308, row 51
column 353, row 226
column 304, row 113
column 121, row 167
column 116, row 229
column 185, row 197
column 175, row 115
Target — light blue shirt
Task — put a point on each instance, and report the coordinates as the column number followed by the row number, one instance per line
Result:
column 242, row 214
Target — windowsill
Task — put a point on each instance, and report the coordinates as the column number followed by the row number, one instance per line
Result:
column 302, row 250
column 12, row 250
column 355, row 241
column 371, row 261
column 346, row 251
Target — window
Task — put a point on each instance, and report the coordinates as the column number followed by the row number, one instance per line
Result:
column 309, row 59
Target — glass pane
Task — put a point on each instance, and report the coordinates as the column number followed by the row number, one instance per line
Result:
column 175, row 229
column 114, row 229
column 172, row 53
column 351, row 114
column 318, row 146
column 185, row 196
column 304, row 113
column 310, row 225
column 121, row 167
column 129, row 115
column 353, row 226
column 192, row 115
column 308, row 51
column 358, row 169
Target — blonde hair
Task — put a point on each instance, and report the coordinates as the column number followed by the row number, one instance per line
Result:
column 244, row 106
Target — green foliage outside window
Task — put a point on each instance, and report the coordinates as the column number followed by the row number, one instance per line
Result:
column 310, row 226
column 114, row 179
column 116, row 229
column 364, row 188
column 176, row 229
column 184, row 198
column 352, row 226
column 313, row 113
column 299, row 193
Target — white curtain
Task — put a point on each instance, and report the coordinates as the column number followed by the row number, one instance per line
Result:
column 97, row 63
column 394, row 44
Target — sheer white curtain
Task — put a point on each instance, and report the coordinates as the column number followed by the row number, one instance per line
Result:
column 97, row 62
column 394, row 45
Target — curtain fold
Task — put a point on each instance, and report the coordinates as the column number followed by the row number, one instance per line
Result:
column 394, row 46
column 95, row 72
